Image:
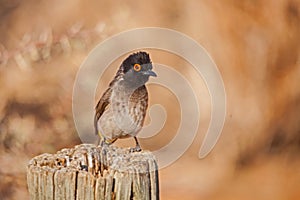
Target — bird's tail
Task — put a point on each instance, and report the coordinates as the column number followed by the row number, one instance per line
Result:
column 96, row 130
column 96, row 124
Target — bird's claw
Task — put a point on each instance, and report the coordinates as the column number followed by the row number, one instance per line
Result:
column 104, row 144
column 135, row 149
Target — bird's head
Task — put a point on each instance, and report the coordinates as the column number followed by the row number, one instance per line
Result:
column 136, row 69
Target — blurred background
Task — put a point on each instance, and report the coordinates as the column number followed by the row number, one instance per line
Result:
column 255, row 44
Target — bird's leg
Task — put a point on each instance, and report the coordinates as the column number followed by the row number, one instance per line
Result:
column 103, row 142
column 100, row 140
column 137, row 147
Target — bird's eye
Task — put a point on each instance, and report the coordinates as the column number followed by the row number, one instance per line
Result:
column 137, row 67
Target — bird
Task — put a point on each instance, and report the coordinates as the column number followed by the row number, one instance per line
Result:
column 121, row 110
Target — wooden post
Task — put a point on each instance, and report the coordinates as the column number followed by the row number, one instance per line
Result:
column 87, row 172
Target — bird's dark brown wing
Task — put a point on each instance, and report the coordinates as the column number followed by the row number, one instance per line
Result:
column 101, row 106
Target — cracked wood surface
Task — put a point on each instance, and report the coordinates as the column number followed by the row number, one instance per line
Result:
column 90, row 172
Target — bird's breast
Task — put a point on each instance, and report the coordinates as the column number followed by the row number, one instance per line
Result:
column 124, row 117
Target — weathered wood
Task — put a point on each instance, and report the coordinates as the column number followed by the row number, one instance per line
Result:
column 90, row 172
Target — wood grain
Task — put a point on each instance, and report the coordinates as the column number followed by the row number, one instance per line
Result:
column 90, row 172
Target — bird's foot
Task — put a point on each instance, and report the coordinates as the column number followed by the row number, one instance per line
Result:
column 104, row 144
column 135, row 149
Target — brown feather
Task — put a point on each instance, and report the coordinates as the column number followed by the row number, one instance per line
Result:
column 101, row 107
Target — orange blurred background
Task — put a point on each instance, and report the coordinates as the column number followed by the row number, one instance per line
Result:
column 255, row 44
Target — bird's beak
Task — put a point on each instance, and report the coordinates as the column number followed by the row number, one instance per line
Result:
column 150, row 73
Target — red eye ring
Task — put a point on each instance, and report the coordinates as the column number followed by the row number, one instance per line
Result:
column 137, row 67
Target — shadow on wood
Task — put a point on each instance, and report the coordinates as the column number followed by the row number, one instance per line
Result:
column 90, row 172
